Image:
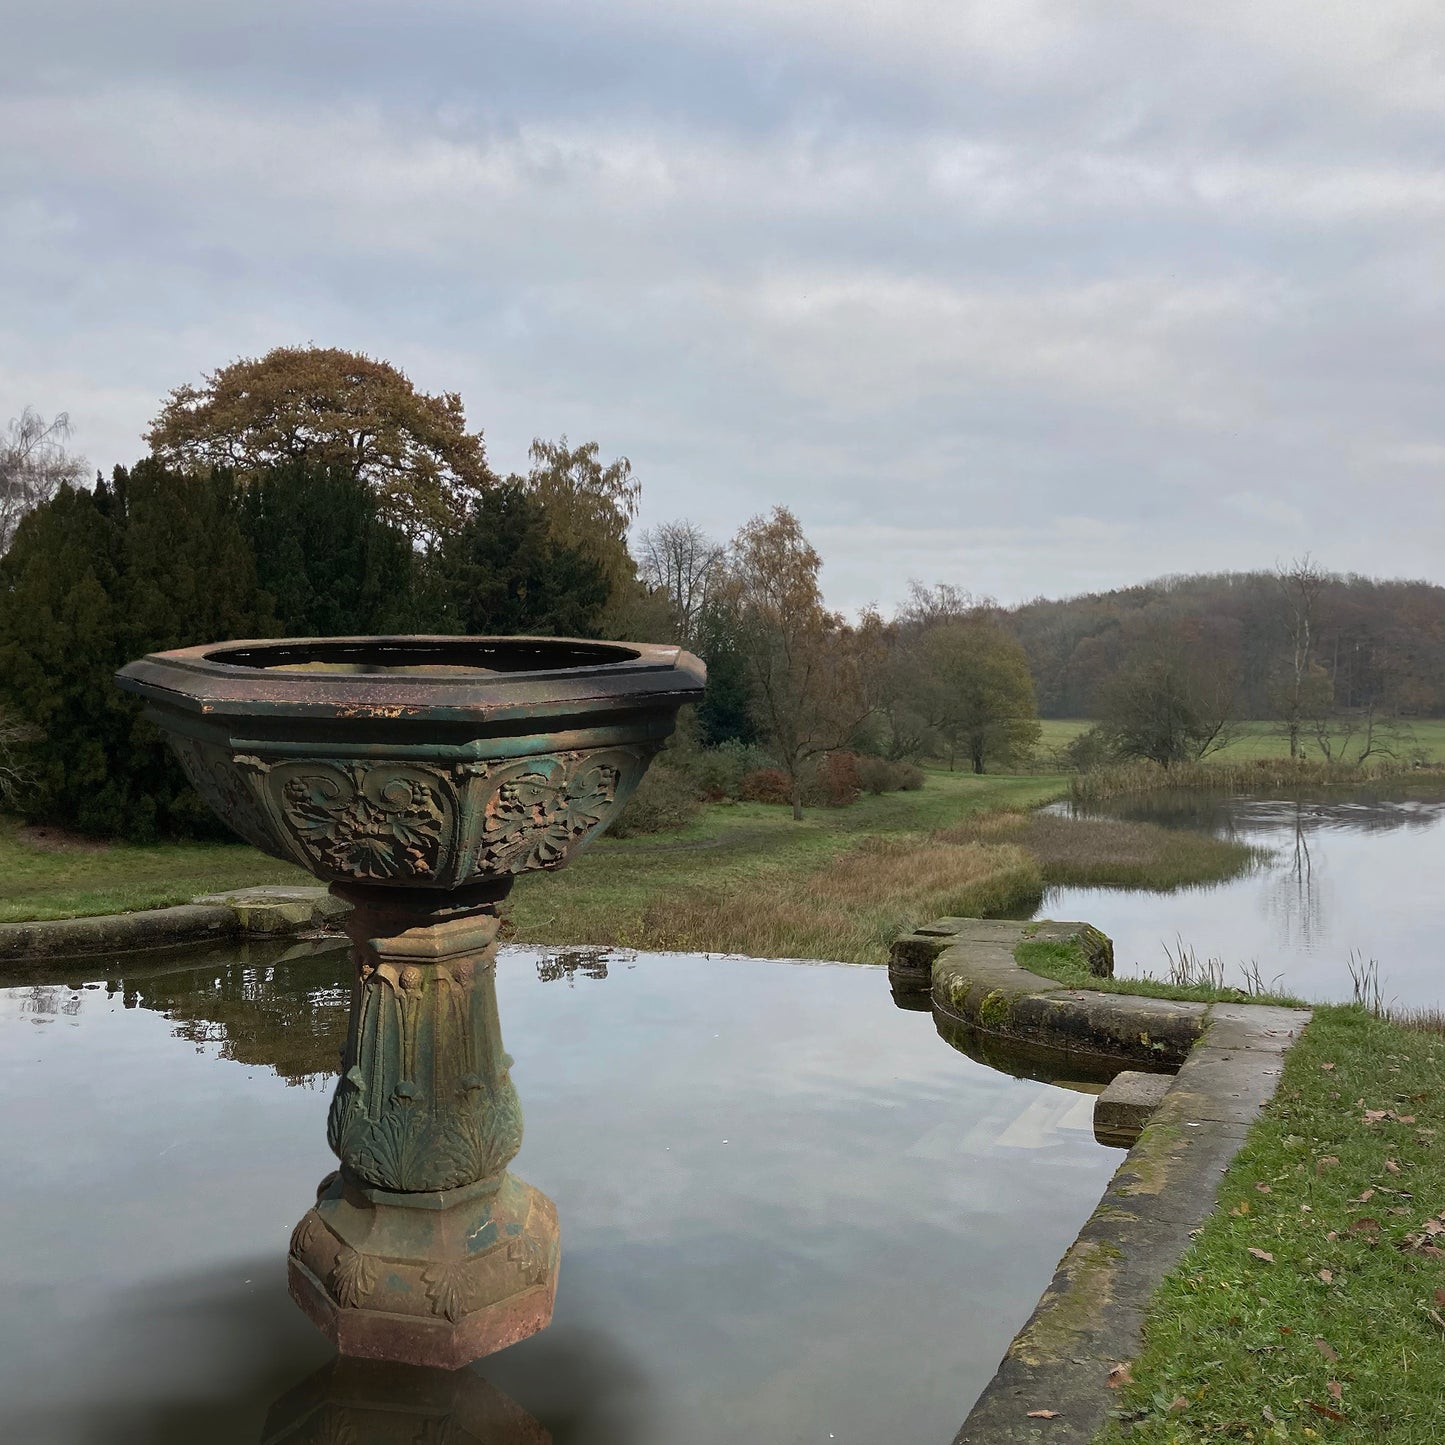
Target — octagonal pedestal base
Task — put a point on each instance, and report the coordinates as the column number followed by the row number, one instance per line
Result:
column 435, row 1279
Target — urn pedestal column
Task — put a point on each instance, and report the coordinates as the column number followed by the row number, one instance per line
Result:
column 417, row 776
column 422, row 1248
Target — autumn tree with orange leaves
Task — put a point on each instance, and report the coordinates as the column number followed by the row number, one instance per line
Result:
column 335, row 408
column 814, row 677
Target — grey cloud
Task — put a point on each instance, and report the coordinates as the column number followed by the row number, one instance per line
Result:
column 1035, row 298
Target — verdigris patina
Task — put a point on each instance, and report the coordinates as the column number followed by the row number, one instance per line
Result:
column 418, row 776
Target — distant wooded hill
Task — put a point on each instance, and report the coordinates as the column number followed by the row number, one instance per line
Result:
column 1379, row 644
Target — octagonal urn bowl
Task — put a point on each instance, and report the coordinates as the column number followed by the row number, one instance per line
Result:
column 418, row 763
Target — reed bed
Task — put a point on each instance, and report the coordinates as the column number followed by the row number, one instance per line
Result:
column 1369, row 990
column 1244, row 776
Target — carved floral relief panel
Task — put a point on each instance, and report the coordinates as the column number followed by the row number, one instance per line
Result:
column 386, row 821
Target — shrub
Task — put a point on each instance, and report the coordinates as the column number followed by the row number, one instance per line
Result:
column 910, row 777
column 766, row 785
column 1088, row 751
column 837, row 779
column 665, row 801
column 878, row 775
column 717, row 773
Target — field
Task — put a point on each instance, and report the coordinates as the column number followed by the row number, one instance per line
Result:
column 1256, row 740
column 733, row 849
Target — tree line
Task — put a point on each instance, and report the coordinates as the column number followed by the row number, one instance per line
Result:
column 315, row 492
column 1171, row 666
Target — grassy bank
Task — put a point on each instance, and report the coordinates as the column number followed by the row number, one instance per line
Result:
column 623, row 889
column 49, row 875
column 744, row 878
column 1191, row 980
column 1312, row 1304
column 740, row 878
column 1110, row 852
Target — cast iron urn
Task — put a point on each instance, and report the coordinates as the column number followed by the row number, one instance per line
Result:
column 418, row 776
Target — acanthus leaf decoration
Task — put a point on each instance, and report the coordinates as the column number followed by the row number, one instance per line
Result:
column 353, row 1277
column 450, row 1288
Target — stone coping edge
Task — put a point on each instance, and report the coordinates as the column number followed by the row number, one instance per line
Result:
column 272, row 912
column 1228, row 1057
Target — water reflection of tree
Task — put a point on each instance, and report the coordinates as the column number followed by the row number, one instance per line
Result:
column 288, row 1014
column 1296, row 897
column 567, row 963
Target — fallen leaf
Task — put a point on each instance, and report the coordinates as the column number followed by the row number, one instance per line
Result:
column 1240, row 1209
column 1179, row 1402
column 1440, row 1295
column 1269, row 1415
column 1391, row 1166
column 1405, row 1118
column 1044, row 1415
column 1264, row 1188
column 1336, row 1389
column 1324, row 1410
column 1364, row 1198
column 1119, row 1376
column 1263, row 1254
column 1328, row 1275
column 1327, row 1068
column 1328, row 1351
column 1364, row 1226
column 1436, row 1317
column 1324, row 1163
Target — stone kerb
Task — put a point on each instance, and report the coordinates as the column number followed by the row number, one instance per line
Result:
column 266, row 912
column 1226, row 1060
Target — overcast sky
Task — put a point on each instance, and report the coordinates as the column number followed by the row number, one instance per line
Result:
column 1032, row 298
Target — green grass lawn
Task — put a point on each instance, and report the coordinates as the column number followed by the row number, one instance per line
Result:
column 1312, row 1304
column 71, row 879
column 1255, row 740
column 730, row 846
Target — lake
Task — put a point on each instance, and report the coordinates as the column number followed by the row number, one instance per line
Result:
column 1354, row 875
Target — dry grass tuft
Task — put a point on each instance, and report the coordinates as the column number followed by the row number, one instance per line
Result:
column 1109, row 852
column 851, row 910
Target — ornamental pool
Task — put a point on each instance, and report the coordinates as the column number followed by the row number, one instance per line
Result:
column 790, row 1212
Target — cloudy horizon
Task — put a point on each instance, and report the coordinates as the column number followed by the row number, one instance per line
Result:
column 1030, row 298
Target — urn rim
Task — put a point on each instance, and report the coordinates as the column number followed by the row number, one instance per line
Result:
column 415, row 677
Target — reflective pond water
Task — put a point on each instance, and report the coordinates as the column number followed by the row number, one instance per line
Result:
column 790, row 1212
column 1357, row 874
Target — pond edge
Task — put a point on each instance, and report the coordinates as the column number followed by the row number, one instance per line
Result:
column 1226, row 1059
column 266, row 912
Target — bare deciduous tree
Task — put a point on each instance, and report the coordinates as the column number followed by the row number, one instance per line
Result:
column 682, row 561
column 33, row 465
column 937, row 606
column 1304, row 682
column 14, row 776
